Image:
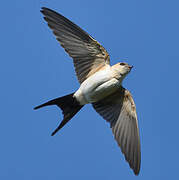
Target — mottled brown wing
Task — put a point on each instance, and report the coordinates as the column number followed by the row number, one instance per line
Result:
column 119, row 109
column 88, row 55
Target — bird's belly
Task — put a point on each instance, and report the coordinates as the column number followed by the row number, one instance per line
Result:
column 96, row 88
column 101, row 91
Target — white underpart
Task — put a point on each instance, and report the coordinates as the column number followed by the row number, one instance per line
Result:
column 97, row 86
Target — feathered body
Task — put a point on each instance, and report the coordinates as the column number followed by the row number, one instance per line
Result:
column 100, row 85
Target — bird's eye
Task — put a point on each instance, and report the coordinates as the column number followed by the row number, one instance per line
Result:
column 122, row 64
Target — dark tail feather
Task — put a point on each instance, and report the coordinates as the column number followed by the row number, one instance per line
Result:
column 69, row 105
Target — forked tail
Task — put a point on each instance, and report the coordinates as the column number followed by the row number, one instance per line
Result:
column 68, row 104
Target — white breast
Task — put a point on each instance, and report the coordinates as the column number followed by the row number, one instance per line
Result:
column 97, row 86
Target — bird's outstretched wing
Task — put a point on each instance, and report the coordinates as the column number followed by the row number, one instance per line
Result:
column 88, row 55
column 119, row 109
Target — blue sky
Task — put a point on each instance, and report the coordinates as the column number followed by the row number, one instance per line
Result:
column 34, row 68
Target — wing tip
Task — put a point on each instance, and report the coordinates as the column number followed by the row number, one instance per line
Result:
column 43, row 9
column 136, row 170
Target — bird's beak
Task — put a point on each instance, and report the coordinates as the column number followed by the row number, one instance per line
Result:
column 130, row 67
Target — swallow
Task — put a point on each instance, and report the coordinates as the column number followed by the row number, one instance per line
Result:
column 100, row 85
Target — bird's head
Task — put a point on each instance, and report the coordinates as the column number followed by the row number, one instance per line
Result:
column 122, row 68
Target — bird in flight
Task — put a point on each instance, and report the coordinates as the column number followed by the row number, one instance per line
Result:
column 100, row 85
